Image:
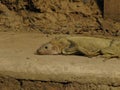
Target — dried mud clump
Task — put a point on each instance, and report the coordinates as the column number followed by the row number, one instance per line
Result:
column 56, row 16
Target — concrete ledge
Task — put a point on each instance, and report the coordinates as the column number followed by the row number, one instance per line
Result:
column 62, row 69
column 17, row 60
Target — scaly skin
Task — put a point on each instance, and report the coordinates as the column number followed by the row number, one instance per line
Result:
column 87, row 46
column 113, row 51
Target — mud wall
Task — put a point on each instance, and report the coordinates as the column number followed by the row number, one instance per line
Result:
column 7, row 83
column 56, row 16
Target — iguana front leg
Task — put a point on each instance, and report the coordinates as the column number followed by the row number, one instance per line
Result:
column 74, row 48
column 80, row 51
column 87, row 52
column 69, row 51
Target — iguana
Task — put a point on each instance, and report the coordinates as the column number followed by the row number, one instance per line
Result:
column 82, row 45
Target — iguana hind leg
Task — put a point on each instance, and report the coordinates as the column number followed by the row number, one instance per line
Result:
column 111, row 52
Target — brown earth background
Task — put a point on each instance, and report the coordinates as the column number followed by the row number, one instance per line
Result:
column 56, row 17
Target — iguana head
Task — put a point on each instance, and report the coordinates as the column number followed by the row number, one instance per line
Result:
column 54, row 47
column 48, row 49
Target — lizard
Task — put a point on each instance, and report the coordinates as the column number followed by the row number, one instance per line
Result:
column 81, row 45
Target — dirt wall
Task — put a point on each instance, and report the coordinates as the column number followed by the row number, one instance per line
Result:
column 7, row 83
column 56, row 16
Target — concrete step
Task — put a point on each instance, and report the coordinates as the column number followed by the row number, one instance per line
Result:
column 18, row 61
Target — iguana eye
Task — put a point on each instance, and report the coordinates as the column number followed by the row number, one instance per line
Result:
column 46, row 47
